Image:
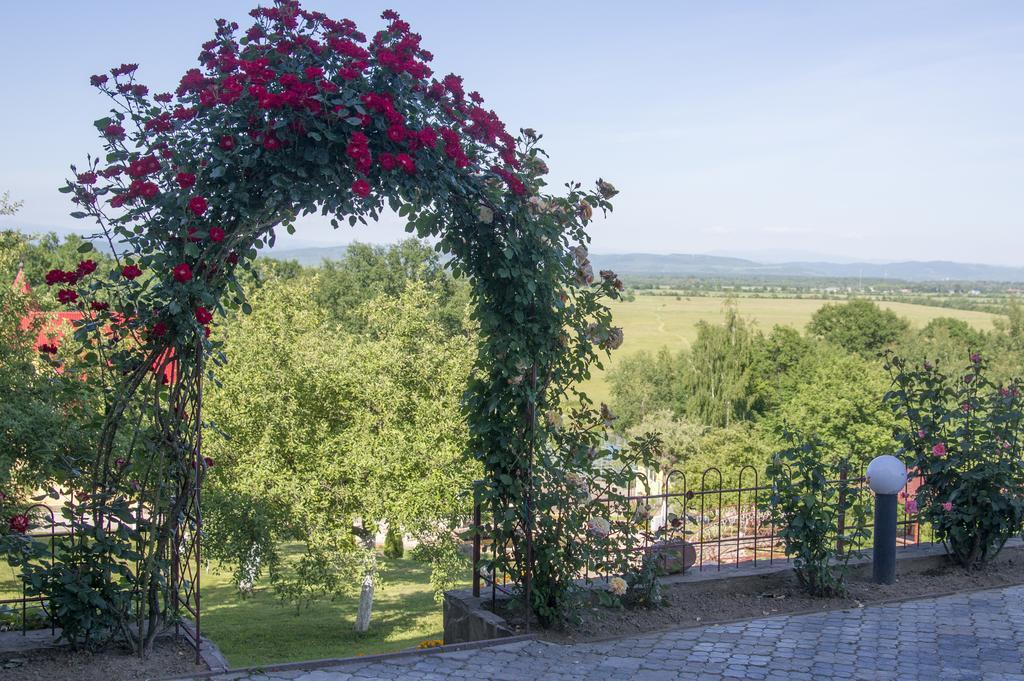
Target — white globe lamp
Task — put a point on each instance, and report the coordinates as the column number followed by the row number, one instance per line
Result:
column 886, row 474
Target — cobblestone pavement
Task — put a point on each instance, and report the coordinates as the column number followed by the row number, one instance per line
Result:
column 978, row 636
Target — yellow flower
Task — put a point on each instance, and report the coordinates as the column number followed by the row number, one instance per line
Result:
column 617, row 585
column 586, row 212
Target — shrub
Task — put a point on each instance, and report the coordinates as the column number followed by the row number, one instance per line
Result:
column 807, row 497
column 393, row 547
column 961, row 434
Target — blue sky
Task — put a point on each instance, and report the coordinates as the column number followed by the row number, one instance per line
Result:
column 860, row 130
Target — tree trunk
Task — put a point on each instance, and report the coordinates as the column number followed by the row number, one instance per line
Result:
column 366, row 592
column 365, row 605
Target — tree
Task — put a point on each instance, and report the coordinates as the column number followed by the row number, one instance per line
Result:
column 644, row 383
column 719, row 383
column 776, row 356
column 369, row 271
column 859, row 326
column 328, row 433
column 836, row 397
column 949, row 342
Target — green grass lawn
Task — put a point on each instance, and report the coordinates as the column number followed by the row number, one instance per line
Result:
column 258, row 629
column 651, row 322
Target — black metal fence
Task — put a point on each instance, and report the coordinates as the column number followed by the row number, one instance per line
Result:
column 725, row 522
column 45, row 527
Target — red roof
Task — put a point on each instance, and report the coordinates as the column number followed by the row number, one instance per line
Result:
column 53, row 326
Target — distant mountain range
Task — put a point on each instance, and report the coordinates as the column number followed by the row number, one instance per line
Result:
column 646, row 264
column 689, row 265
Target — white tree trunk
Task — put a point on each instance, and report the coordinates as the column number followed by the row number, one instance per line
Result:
column 249, row 570
column 366, row 592
column 365, row 605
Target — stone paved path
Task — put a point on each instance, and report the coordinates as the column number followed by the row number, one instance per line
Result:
column 978, row 636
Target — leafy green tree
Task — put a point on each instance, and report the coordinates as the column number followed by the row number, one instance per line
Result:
column 776, row 357
column 945, row 341
column 859, row 326
column 720, row 383
column 836, row 397
column 644, row 383
column 327, row 433
column 1004, row 351
column 367, row 272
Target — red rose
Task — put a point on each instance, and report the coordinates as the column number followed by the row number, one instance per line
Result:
column 227, row 143
column 361, row 187
column 18, row 523
column 387, row 161
column 208, row 461
column 48, row 348
column 396, row 133
column 114, row 131
column 203, row 316
column 98, row 306
column 54, row 277
column 233, row 258
column 271, row 143
column 427, row 137
column 216, row 234
column 148, row 190
column 182, row 272
column 131, row 271
column 85, row 267
column 198, row 205
column 185, row 180
column 158, row 329
column 67, row 295
column 408, row 165
column 117, row 201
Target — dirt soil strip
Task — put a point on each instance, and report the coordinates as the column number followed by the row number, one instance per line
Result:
column 694, row 605
column 170, row 656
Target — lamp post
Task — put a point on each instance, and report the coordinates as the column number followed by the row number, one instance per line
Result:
column 886, row 476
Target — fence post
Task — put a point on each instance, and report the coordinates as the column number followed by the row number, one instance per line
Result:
column 476, row 546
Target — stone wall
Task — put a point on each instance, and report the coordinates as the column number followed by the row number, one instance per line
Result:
column 466, row 619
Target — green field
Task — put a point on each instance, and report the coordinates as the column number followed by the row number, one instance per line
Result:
column 260, row 630
column 653, row 321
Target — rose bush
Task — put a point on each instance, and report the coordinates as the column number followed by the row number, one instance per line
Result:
column 301, row 113
column 961, row 435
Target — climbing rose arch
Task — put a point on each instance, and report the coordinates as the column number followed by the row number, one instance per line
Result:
column 301, row 113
